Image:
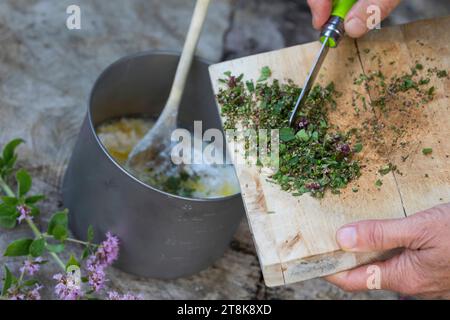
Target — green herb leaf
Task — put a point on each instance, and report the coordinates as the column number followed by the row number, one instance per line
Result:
column 8, row 281
column 265, row 74
column 378, row 183
column 37, row 247
column 90, row 234
column 23, row 182
column 72, row 262
column 57, row 226
column 358, row 148
column 250, row 86
column 18, row 248
column 427, row 151
column 287, row 134
column 8, row 216
column 9, row 150
column 34, row 199
column 11, row 201
column 384, row 170
column 30, row 282
column 56, row 248
column 302, row 135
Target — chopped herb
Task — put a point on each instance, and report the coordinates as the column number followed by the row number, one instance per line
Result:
column 265, row 74
column 358, row 148
column 384, row 170
column 427, row 151
column 442, row 73
column 313, row 156
column 378, row 183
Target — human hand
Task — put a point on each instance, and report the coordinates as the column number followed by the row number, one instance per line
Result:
column 356, row 20
column 422, row 269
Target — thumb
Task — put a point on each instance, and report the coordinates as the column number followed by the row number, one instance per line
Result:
column 356, row 20
column 379, row 235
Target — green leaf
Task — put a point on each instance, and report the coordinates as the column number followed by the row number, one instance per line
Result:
column 57, row 226
column 265, row 74
column 8, row 281
column 11, row 201
column 72, row 262
column 10, row 148
column 18, row 248
column 37, row 247
column 302, row 135
column 34, row 199
column 85, row 253
column 358, row 148
column 8, row 216
column 30, row 283
column 23, row 182
column 378, row 183
column 287, row 134
column 60, row 232
column 250, row 86
column 427, row 151
column 56, row 248
column 90, row 234
column 8, row 222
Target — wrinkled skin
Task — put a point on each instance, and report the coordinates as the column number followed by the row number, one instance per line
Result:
column 422, row 269
column 356, row 20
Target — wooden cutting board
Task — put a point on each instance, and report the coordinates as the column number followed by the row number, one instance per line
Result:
column 295, row 236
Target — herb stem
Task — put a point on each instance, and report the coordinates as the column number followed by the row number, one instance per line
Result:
column 7, row 190
column 38, row 234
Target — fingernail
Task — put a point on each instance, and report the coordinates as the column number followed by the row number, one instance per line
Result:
column 346, row 237
column 355, row 27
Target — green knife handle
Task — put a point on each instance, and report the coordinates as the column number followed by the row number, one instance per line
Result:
column 333, row 31
column 342, row 7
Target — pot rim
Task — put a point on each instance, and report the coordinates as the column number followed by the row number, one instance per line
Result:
column 102, row 147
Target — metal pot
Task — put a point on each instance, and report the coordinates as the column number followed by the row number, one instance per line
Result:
column 162, row 235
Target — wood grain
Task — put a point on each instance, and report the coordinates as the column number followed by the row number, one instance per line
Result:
column 295, row 236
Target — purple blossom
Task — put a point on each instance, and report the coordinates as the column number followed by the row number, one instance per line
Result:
column 31, row 267
column 114, row 295
column 313, row 186
column 96, row 274
column 106, row 254
column 67, row 288
column 25, row 213
column 34, row 294
column 108, row 251
column 14, row 294
column 343, row 148
column 303, row 123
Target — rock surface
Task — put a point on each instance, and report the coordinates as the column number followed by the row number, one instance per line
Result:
column 47, row 71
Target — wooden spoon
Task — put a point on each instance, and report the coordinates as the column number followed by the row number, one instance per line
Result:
column 157, row 140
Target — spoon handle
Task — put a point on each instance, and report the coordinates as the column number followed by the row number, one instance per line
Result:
column 184, row 65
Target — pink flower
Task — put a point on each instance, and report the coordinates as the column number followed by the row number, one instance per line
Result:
column 108, row 251
column 67, row 288
column 114, row 295
column 14, row 294
column 25, row 213
column 96, row 274
column 34, row 294
column 106, row 254
column 31, row 267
